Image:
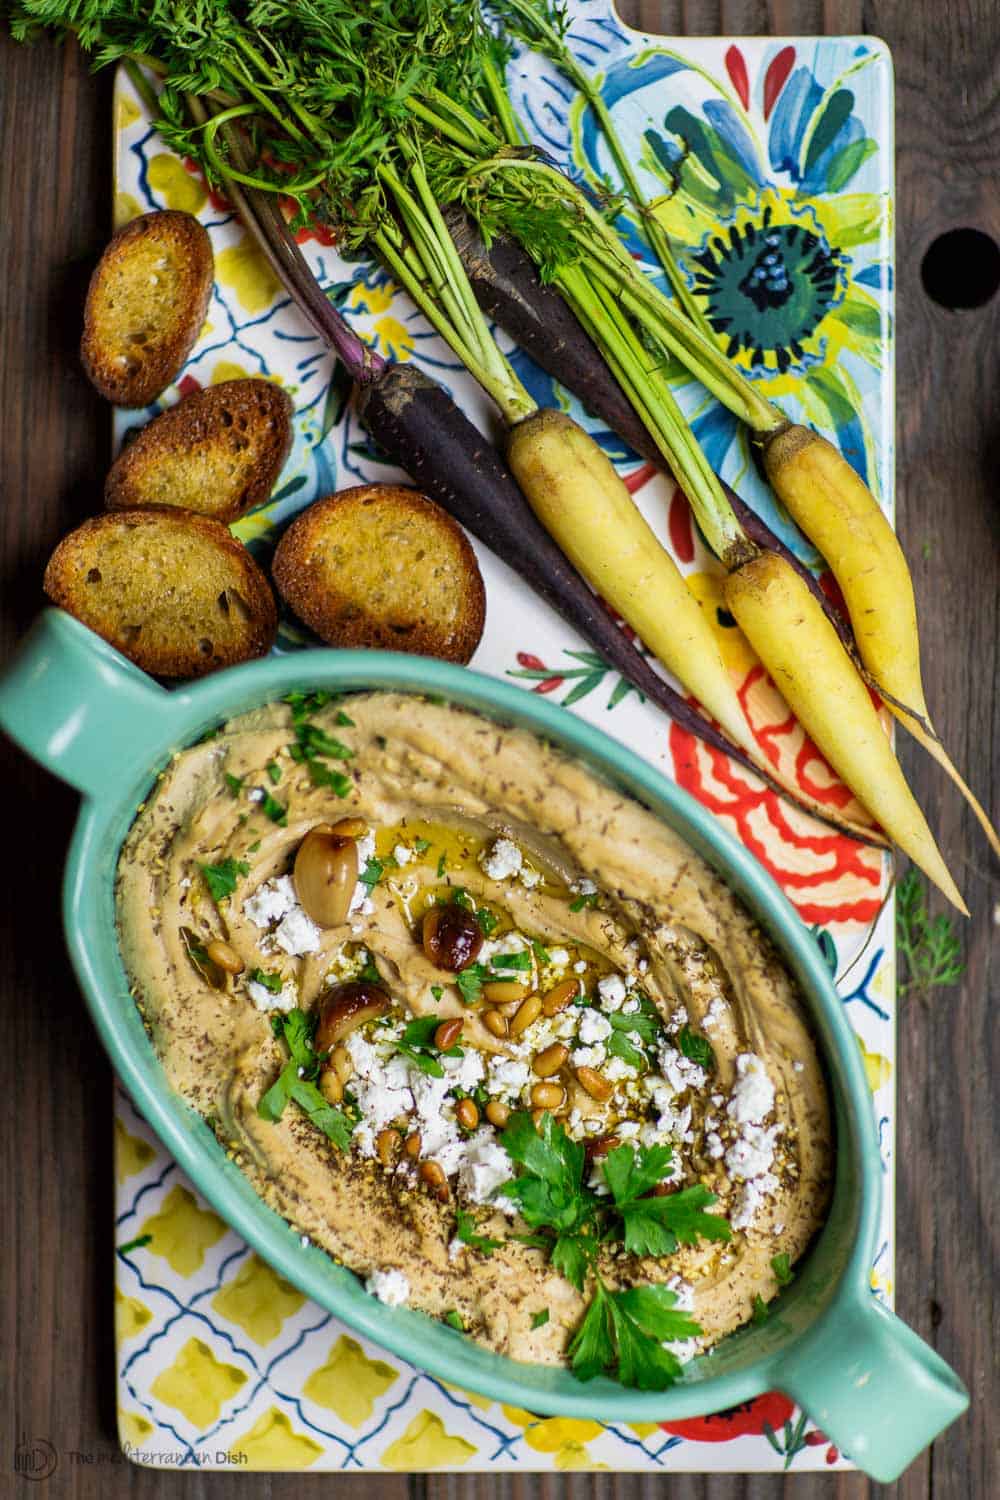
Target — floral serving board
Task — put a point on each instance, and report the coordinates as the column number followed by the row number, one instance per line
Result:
column 761, row 155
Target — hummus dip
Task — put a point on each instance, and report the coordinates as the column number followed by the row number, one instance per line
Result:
column 593, row 965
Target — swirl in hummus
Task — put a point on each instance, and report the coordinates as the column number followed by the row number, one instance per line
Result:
column 611, row 964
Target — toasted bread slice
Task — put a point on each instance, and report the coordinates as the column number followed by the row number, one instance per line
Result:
column 383, row 566
column 217, row 452
column 146, row 304
column 175, row 593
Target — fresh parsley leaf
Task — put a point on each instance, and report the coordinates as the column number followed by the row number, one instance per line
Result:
column 781, row 1266
column 461, row 897
column 372, row 873
column 274, row 771
column 487, row 921
column 221, row 878
column 316, row 741
column 343, row 720
column 234, row 783
column 271, row 1105
column 622, row 1334
column 436, row 991
column 541, row 954
column 252, row 848
column 338, row 783
column 442, row 866
column 540, row 1318
column 334, row 1124
column 655, row 1226
column 520, row 960
column 272, row 982
column 929, row 947
column 466, row 1231
column 417, row 1043
column 272, row 808
column 761, row 1312
column 136, row 1244
column 370, row 971
column 629, row 1173
column 421, row 845
column 697, row 1047
column 454, row 1320
column 470, row 982
column 590, row 899
column 619, row 1045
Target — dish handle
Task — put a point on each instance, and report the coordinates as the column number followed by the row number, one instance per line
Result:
column 876, row 1390
column 77, row 705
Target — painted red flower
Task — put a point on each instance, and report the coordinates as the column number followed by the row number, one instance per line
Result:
column 746, row 1420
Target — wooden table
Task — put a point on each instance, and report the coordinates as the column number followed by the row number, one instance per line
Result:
column 57, row 1359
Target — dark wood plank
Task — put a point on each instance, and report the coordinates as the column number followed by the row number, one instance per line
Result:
column 56, row 1379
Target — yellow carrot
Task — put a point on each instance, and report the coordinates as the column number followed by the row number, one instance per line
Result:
column 787, row 628
column 841, row 517
column 582, row 502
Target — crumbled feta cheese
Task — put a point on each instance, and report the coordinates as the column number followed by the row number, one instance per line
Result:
column 402, row 855
column 297, row 934
column 503, row 860
column 627, row 1129
column 585, row 887
column 715, row 1014
column 359, row 900
column 713, row 1145
column 506, row 1077
column 464, row 1072
column 588, row 1057
column 286, row 999
column 753, row 1092
column 679, row 1071
column 752, row 1153
column 611, row 992
column 256, row 794
column 390, row 1287
column 270, row 902
column 580, row 967
column 798, row 1067
column 484, row 1167
column 530, row 878
column 455, row 1248
column 616, row 1070
column 752, row 1195
column 593, row 1026
column 560, row 957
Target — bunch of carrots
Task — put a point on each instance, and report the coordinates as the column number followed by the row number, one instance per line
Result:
column 392, row 124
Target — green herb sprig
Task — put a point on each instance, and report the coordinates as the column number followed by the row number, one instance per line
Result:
column 296, row 1082
column 929, row 947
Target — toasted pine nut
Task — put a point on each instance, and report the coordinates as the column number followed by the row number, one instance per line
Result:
column 495, row 1022
column 387, row 1144
column 596, row 1086
column 448, row 1033
column 226, row 957
column 500, row 991
column 527, row 1013
column 467, row 1113
column 550, row 1060
column 412, row 1144
column 342, row 1063
column 498, row 1114
column 432, row 1174
column 330, row 1086
column 350, row 828
column 547, row 1095
column 559, row 996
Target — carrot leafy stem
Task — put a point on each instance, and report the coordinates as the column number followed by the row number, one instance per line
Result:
column 929, row 947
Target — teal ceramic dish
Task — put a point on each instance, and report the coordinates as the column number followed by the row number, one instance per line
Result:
column 867, row 1381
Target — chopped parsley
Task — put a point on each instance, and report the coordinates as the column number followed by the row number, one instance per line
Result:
column 460, row 897
column 487, row 921
column 271, row 982
column 338, row 783
column 344, row 720
column 697, row 1047
column 470, row 982
column 372, row 873
column 274, row 771
column 623, row 1333
column 234, row 783
column 540, row 1318
column 511, row 960
column 588, row 898
column 370, row 971
column 417, row 1043
column 296, row 1082
column 781, row 1266
column 466, row 1231
column 421, row 845
column 541, row 954
column 454, row 1320
column 436, row 991
column 221, row 878
column 761, row 1312
column 442, row 866
column 646, row 1023
column 273, row 809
